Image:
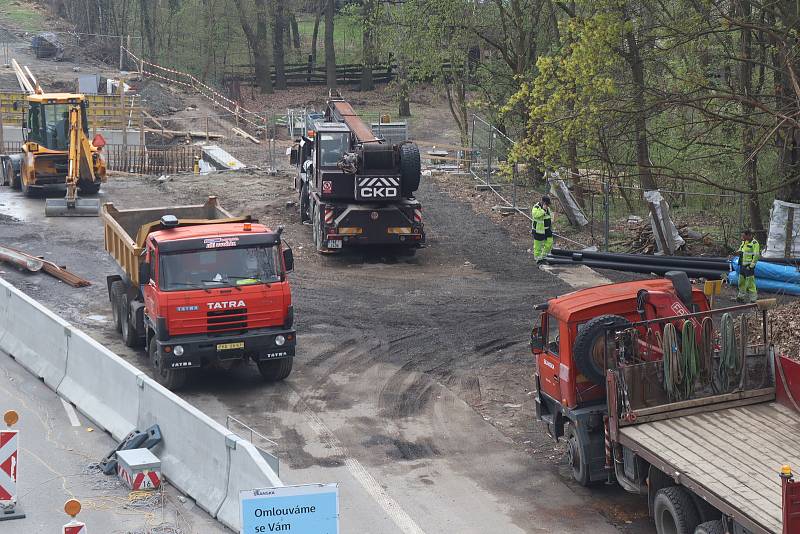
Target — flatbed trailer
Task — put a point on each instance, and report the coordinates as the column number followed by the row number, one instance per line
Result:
column 726, row 450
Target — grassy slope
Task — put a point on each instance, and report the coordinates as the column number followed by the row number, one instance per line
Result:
column 21, row 15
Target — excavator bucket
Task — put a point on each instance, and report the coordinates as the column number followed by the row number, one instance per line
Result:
column 81, row 207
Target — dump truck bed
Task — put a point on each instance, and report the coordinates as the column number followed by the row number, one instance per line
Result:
column 126, row 230
column 732, row 457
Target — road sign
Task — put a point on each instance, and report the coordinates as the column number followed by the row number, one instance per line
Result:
column 74, row 527
column 8, row 466
column 306, row 509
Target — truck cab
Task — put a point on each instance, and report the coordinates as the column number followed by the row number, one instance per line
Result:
column 567, row 341
column 202, row 292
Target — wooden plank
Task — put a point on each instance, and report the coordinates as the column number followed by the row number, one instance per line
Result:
column 715, row 476
column 706, row 401
column 696, row 410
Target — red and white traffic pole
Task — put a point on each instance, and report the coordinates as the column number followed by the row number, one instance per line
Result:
column 9, row 447
column 72, row 507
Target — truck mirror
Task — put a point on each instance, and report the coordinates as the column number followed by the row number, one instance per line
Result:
column 288, row 260
column 537, row 341
column 144, row 272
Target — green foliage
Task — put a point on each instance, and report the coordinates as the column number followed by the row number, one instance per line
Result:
column 566, row 99
column 21, row 15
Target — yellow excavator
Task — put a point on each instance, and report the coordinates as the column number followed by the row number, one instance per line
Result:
column 57, row 151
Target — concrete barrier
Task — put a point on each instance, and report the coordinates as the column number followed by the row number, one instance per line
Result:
column 194, row 454
column 33, row 335
column 198, row 455
column 247, row 468
column 104, row 386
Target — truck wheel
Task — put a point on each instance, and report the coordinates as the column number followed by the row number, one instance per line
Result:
column 117, row 288
column 409, row 169
column 305, row 215
column 129, row 335
column 674, row 511
column 275, row 370
column 576, row 455
column 588, row 350
column 171, row 379
column 710, row 527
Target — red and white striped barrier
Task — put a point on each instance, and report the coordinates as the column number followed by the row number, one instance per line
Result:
column 74, row 527
column 72, row 507
column 9, row 448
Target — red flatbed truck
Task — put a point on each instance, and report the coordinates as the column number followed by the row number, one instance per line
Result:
column 201, row 288
column 713, row 457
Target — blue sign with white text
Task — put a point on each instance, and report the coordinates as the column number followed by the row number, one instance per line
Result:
column 307, row 509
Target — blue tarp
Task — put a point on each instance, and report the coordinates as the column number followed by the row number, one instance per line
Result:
column 770, row 286
column 772, row 271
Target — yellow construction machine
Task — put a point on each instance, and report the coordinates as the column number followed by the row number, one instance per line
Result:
column 57, row 151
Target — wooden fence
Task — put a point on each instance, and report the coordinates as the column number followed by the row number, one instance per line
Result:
column 300, row 74
column 104, row 111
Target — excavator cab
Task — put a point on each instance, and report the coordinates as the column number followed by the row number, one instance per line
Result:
column 48, row 122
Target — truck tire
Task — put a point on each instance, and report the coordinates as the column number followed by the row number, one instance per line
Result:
column 115, row 296
column 409, row 169
column 576, row 455
column 674, row 511
column 275, row 370
column 316, row 227
column 129, row 334
column 89, row 188
column 171, row 379
column 12, row 178
column 588, row 349
column 305, row 213
column 710, row 527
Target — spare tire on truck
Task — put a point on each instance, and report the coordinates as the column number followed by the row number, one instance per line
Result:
column 588, row 351
column 409, row 168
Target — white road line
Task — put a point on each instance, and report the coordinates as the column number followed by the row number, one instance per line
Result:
column 392, row 508
column 73, row 417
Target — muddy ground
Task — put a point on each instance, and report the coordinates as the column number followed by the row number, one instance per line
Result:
column 451, row 323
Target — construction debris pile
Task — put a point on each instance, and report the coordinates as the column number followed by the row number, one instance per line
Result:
column 640, row 240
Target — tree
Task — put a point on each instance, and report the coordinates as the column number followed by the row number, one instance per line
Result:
column 330, row 53
column 257, row 39
column 369, row 17
column 278, row 8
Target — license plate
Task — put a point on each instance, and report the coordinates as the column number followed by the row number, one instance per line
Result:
column 335, row 243
column 230, row 346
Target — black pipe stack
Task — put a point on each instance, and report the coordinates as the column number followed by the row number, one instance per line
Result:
column 694, row 266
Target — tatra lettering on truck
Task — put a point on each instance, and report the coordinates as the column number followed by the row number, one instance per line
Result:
column 226, row 304
column 201, row 288
column 653, row 389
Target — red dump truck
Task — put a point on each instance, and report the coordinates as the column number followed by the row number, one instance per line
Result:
column 652, row 389
column 201, row 288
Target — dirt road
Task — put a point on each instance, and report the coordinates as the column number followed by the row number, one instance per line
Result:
column 412, row 382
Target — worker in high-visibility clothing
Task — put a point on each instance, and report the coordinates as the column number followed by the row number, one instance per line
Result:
column 542, row 229
column 749, row 252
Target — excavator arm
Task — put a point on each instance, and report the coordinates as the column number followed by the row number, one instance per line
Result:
column 80, row 167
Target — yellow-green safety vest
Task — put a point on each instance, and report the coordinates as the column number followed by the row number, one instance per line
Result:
column 751, row 251
column 542, row 224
